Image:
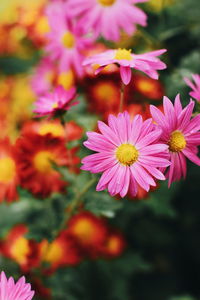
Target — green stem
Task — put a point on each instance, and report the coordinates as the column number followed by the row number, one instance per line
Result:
column 121, row 104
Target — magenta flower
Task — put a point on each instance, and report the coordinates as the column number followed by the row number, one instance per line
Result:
column 129, row 154
column 54, row 103
column 194, row 86
column 9, row 290
column 67, row 39
column 147, row 62
column 180, row 133
column 44, row 76
column 108, row 17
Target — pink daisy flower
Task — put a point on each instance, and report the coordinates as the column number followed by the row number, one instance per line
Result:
column 67, row 39
column 9, row 290
column 181, row 133
column 44, row 76
column 194, row 86
column 128, row 154
column 55, row 103
column 108, row 17
column 147, row 62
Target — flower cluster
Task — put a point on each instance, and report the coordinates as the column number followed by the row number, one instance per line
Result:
column 136, row 152
column 86, row 236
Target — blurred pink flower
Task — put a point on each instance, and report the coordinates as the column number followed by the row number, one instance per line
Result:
column 44, row 76
column 108, row 17
column 9, row 290
column 180, row 133
column 147, row 62
column 129, row 154
column 194, row 86
column 67, row 39
column 54, row 103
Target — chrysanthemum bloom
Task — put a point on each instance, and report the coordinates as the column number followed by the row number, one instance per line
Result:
column 47, row 77
column 67, row 39
column 114, row 246
column 63, row 251
column 147, row 62
column 89, row 231
column 108, row 17
column 194, row 86
column 56, row 103
column 128, row 154
column 8, row 172
column 69, row 132
column 35, row 155
column 145, row 87
column 103, row 93
column 44, row 76
column 9, row 290
column 18, row 248
column 180, row 133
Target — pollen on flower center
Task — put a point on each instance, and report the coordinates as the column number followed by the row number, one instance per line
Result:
column 42, row 161
column 68, row 39
column 177, row 141
column 54, row 105
column 127, row 154
column 107, row 2
column 20, row 250
column 7, row 169
column 54, row 129
column 123, row 54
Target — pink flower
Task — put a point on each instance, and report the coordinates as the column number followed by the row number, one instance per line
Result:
column 195, row 86
column 54, row 103
column 128, row 154
column 9, row 290
column 108, row 17
column 67, row 40
column 147, row 62
column 44, row 76
column 180, row 133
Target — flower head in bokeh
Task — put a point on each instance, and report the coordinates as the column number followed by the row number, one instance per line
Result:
column 108, row 17
column 18, row 248
column 180, row 133
column 8, row 172
column 67, row 39
column 195, row 93
column 55, row 103
column 146, row 62
column 35, row 156
column 9, row 290
column 128, row 154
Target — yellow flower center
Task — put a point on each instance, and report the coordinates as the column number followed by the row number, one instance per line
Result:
column 107, row 2
column 84, row 230
column 177, row 141
column 127, row 154
column 123, row 54
column 20, row 250
column 7, row 169
column 54, row 105
column 106, row 92
column 42, row 161
column 54, row 253
column 145, row 86
column 55, row 129
column 68, row 39
column 66, row 79
column 42, row 25
column 49, row 76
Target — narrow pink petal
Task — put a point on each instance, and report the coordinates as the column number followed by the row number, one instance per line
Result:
column 139, row 178
column 126, row 183
column 149, row 139
column 125, row 73
column 191, row 156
